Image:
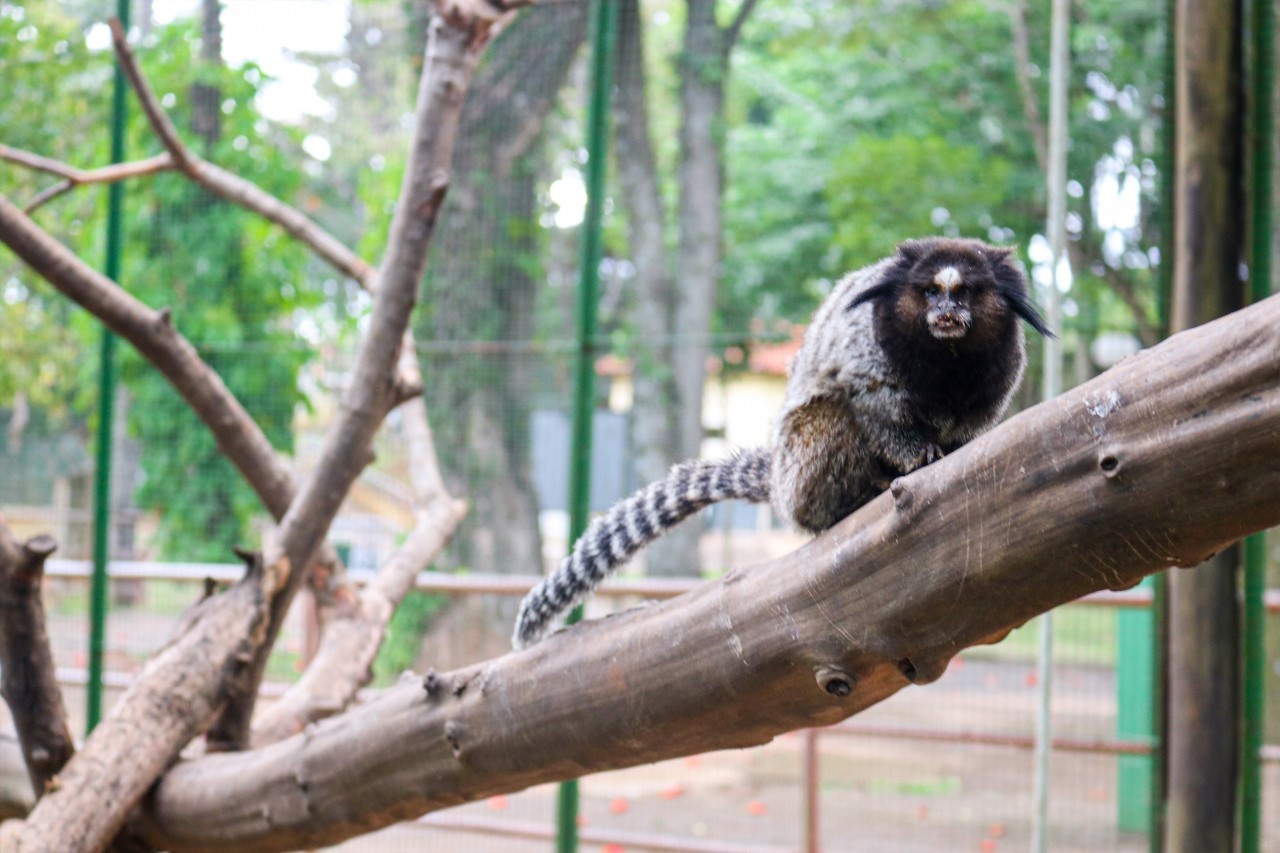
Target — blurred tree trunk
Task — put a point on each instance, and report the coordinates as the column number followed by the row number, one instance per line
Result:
column 1204, row 635
column 480, row 288
column 673, row 312
column 656, row 403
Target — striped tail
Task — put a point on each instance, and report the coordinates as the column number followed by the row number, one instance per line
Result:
column 613, row 538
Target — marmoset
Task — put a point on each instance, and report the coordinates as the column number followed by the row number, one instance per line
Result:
column 905, row 361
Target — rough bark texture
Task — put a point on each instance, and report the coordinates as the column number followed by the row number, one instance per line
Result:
column 1171, row 455
column 172, row 700
column 1204, row 610
column 29, row 685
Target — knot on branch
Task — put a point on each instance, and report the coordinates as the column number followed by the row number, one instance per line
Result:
column 922, row 670
column 835, row 681
column 903, row 499
column 253, row 563
column 453, row 733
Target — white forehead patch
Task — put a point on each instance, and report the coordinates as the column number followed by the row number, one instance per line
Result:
column 948, row 277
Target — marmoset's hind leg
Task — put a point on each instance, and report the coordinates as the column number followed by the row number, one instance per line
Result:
column 822, row 468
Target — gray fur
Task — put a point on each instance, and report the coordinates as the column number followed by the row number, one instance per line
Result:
column 852, row 420
column 613, row 538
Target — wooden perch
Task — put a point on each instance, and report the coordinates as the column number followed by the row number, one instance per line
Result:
column 30, row 684
column 1166, row 458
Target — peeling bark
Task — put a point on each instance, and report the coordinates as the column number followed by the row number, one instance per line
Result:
column 1169, row 456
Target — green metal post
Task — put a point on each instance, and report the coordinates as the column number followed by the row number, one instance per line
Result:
column 1262, row 137
column 603, row 32
column 1160, row 583
column 1135, row 712
column 106, row 408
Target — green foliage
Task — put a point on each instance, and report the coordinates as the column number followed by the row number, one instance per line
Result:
column 46, row 350
column 232, row 281
column 408, row 626
column 851, row 123
column 882, row 189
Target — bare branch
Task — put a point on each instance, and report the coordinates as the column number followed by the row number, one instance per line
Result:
column 453, row 50
column 231, row 187
column 352, row 634
column 354, row 627
column 29, row 685
column 1165, row 458
column 734, row 30
column 172, row 700
column 73, row 177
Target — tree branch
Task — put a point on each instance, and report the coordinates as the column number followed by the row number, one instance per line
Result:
column 1165, row 458
column 231, row 187
column 353, row 627
column 74, row 177
column 171, row 701
column 734, row 30
column 29, row 685
column 458, row 33
column 152, row 334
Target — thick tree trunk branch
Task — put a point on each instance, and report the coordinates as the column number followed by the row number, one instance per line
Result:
column 172, row 700
column 457, row 39
column 1169, row 456
column 29, row 685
